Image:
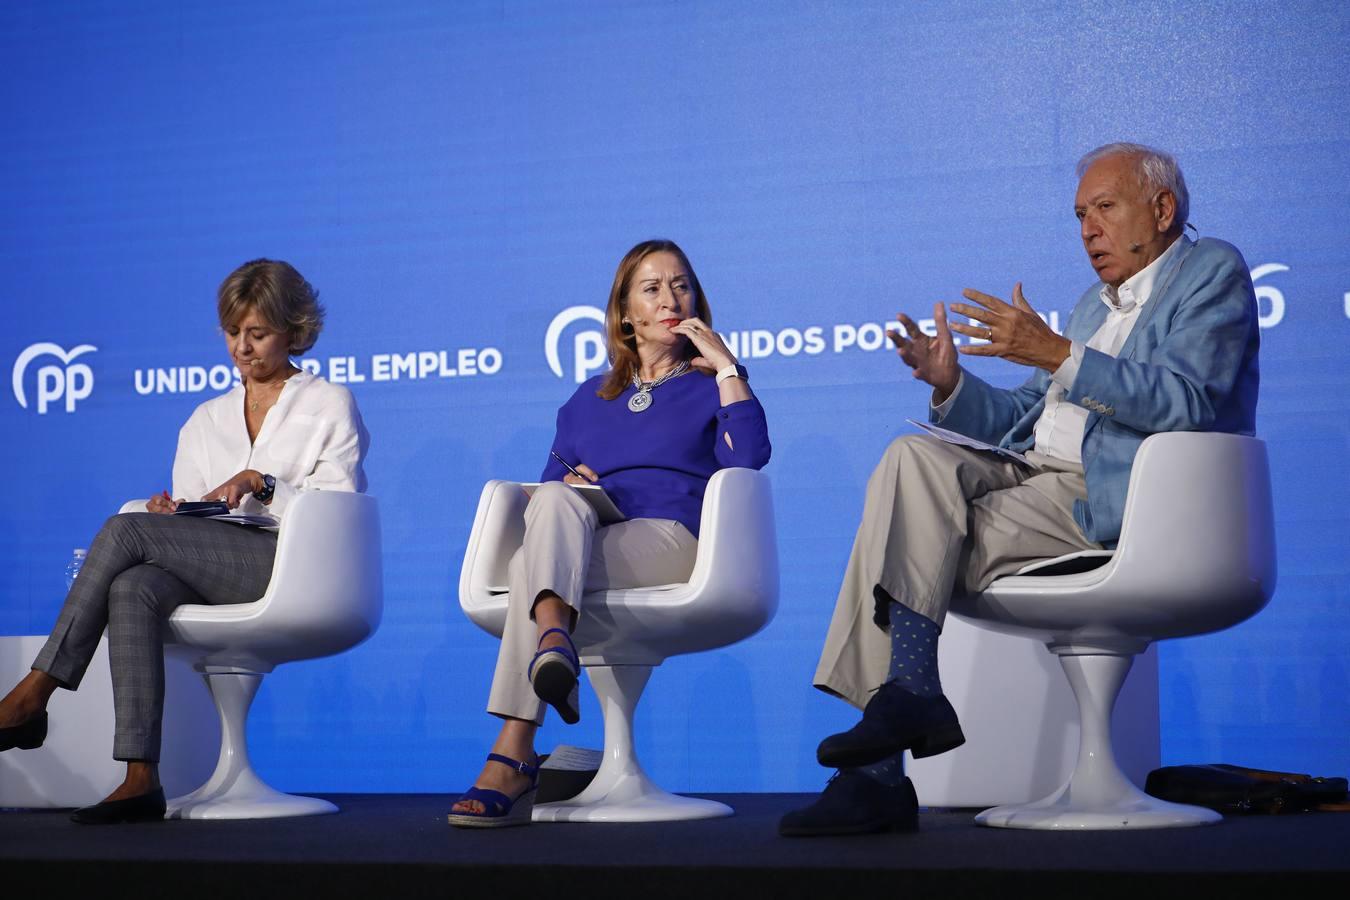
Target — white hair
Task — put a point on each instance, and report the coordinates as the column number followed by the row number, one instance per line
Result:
column 1156, row 170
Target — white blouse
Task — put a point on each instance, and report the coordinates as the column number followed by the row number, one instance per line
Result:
column 312, row 439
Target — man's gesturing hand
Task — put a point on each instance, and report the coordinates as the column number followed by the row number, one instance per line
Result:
column 1014, row 332
column 933, row 359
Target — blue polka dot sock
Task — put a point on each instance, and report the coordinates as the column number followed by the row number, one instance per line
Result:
column 914, row 640
column 890, row 771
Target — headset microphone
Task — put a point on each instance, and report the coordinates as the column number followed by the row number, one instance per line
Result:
column 1135, row 248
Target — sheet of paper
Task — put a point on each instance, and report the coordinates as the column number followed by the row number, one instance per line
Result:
column 245, row 518
column 219, row 512
column 960, row 440
column 567, row 758
column 262, row 521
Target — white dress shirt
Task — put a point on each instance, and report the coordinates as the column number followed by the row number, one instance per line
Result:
column 312, row 439
column 1059, row 430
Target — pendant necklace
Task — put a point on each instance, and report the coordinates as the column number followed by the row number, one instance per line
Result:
column 642, row 400
column 253, row 401
column 280, row 386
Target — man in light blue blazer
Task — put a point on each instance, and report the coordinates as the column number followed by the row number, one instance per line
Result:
column 1166, row 341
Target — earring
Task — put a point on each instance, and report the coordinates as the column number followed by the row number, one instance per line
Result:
column 625, row 326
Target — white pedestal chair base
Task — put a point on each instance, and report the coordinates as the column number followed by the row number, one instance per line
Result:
column 621, row 790
column 1098, row 796
column 632, row 798
column 251, row 800
column 1021, row 721
column 234, row 790
column 1133, row 809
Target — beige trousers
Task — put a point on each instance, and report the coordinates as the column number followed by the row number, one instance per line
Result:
column 566, row 552
column 940, row 519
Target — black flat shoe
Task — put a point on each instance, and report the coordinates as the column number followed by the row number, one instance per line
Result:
column 894, row 720
column 853, row 803
column 145, row 808
column 28, row 736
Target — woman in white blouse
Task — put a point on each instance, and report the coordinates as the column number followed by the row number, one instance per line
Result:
column 280, row 431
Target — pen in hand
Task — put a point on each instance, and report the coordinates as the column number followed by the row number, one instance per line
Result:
column 554, row 454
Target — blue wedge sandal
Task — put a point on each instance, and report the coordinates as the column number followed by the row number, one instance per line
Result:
column 499, row 810
column 554, row 673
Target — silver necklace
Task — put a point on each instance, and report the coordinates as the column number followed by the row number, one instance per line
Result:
column 642, row 400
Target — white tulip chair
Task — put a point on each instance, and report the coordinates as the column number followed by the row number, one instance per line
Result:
column 1196, row 555
column 623, row 634
column 325, row 596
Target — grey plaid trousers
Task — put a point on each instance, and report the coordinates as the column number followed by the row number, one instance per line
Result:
column 140, row 568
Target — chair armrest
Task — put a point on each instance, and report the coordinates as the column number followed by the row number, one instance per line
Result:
column 133, row 506
column 498, row 531
column 328, row 545
column 1194, row 498
column 738, row 545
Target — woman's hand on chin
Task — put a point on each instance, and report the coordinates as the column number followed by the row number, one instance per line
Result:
column 237, row 488
column 713, row 355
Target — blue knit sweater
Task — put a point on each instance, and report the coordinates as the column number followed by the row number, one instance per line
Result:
column 656, row 464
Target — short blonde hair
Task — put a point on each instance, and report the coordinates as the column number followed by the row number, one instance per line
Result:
column 280, row 294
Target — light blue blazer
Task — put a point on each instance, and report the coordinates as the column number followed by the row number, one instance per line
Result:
column 1189, row 364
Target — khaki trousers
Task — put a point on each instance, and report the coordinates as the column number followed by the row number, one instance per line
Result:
column 940, row 519
column 566, row 552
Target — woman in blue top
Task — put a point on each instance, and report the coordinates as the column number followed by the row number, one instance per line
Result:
column 672, row 410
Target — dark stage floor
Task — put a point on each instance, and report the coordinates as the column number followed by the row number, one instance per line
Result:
column 399, row 845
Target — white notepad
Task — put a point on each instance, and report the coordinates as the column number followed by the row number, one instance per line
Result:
column 593, row 494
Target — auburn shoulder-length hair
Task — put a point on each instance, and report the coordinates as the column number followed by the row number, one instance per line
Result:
column 622, row 346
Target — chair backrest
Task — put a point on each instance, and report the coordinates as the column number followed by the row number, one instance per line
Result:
column 1199, row 523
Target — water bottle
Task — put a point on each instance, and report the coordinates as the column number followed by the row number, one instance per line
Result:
column 73, row 567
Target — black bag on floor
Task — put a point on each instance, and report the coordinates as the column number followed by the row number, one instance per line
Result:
column 1234, row 789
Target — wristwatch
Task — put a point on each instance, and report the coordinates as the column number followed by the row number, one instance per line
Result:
column 268, row 489
column 733, row 371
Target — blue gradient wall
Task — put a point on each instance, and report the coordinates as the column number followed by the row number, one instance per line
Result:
column 455, row 177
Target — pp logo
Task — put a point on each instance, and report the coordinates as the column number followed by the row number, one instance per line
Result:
column 588, row 346
column 71, row 383
column 1269, row 300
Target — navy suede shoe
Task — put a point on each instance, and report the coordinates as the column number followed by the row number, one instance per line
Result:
column 894, row 720
column 853, row 803
column 145, row 808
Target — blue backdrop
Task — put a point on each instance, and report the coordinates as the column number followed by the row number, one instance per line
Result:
column 459, row 178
